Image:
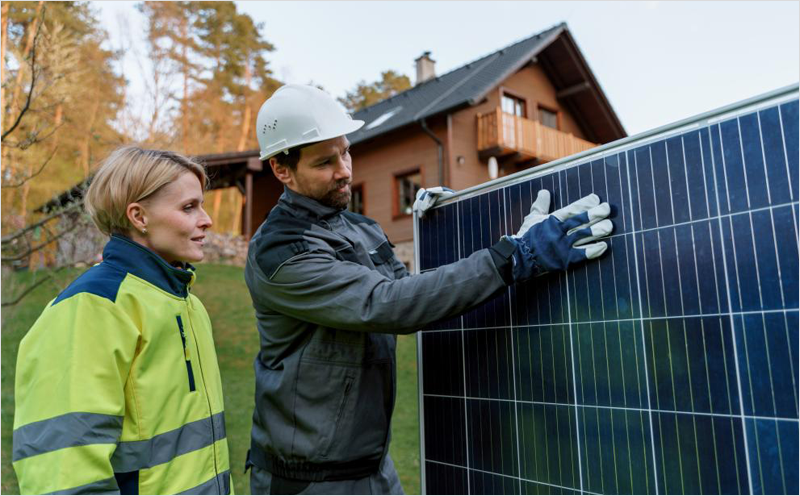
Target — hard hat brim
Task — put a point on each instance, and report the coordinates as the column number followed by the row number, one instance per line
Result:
column 351, row 127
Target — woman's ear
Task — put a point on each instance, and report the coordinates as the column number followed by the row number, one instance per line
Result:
column 137, row 216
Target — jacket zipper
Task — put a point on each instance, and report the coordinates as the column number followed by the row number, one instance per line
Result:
column 208, row 401
column 186, row 355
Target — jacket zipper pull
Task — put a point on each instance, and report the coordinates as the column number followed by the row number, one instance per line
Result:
column 186, row 355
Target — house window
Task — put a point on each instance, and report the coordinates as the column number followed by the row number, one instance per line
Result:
column 548, row 118
column 356, row 204
column 513, row 105
column 406, row 187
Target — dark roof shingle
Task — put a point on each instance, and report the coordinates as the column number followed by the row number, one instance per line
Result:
column 466, row 85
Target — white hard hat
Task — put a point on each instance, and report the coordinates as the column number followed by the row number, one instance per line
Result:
column 297, row 114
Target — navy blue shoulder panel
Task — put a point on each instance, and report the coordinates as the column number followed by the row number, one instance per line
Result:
column 102, row 280
column 358, row 218
column 279, row 239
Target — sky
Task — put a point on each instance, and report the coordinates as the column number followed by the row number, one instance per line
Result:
column 658, row 62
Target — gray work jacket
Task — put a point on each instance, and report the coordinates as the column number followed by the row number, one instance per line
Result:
column 329, row 297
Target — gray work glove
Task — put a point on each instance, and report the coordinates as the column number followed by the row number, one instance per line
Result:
column 551, row 242
column 427, row 198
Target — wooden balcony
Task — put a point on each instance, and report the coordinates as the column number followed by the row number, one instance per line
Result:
column 501, row 134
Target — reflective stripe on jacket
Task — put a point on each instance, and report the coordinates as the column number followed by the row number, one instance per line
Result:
column 118, row 388
column 330, row 296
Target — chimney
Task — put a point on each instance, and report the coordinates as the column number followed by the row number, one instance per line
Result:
column 425, row 68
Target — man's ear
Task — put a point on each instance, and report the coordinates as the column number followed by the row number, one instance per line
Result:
column 282, row 172
column 137, row 216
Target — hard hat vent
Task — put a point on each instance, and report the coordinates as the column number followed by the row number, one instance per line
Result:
column 272, row 126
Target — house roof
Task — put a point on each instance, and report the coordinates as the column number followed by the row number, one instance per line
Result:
column 469, row 84
column 223, row 169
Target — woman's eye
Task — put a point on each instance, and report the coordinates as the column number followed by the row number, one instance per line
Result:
column 188, row 207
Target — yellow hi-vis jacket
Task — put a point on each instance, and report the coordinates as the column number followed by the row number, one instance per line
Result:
column 118, row 387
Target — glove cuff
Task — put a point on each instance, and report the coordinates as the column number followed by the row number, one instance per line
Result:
column 502, row 254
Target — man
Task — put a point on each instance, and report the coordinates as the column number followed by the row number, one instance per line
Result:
column 330, row 296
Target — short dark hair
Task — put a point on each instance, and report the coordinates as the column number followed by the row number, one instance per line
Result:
column 289, row 159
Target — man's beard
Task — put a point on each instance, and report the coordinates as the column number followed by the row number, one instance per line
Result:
column 336, row 199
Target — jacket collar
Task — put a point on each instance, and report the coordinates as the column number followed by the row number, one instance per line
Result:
column 130, row 256
column 305, row 206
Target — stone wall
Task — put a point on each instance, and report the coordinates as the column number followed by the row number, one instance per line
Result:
column 225, row 249
column 405, row 253
column 82, row 244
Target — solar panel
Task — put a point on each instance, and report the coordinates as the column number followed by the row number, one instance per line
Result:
column 668, row 366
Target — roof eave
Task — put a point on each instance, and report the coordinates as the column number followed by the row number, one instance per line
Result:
column 596, row 89
column 519, row 65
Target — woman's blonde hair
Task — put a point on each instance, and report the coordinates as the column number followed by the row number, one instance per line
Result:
column 132, row 174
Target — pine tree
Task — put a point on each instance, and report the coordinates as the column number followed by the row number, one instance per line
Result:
column 364, row 95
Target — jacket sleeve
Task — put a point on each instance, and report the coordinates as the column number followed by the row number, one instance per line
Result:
column 319, row 288
column 70, row 400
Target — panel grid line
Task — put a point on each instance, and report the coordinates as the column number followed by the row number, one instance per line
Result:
column 510, row 477
column 641, row 315
column 730, row 307
column 620, row 408
column 463, row 358
column 680, row 299
column 645, row 319
column 572, row 353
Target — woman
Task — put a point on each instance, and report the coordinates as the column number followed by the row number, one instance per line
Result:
column 117, row 385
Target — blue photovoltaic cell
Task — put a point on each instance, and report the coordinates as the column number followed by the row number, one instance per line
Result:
column 670, row 365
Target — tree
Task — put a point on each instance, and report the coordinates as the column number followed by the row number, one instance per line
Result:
column 61, row 97
column 64, row 99
column 65, row 106
column 173, row 53
column 236, row 81
column 364, row 95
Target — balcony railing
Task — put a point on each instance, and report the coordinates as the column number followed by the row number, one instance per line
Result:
column 501, row 134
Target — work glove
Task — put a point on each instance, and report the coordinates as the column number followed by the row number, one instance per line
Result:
column 426, row 198
column 551, row 242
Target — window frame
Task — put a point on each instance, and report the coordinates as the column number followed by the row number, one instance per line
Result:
column 547, row 108
column 514, row 96
column 361, row 187
column 396, row 177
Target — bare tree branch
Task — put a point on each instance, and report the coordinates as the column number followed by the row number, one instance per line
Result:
column 33, row 81
column 11, row 237
column 25, row 180
column 41, row 281
column 27, row 142
column 32, row 287
column 35, row 248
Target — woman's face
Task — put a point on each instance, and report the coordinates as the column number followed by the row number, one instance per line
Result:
column 175, row 220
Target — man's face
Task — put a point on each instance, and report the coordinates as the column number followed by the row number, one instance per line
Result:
column 324, row 173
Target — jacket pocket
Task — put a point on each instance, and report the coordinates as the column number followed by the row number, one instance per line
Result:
column 348, row 386
column 382, row 253
column 382, row 258
column 186, row 355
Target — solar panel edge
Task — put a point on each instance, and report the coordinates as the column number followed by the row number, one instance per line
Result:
column 757, row 103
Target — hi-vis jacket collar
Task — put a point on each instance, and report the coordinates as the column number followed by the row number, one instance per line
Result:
column 129, row 256
column 304, row 206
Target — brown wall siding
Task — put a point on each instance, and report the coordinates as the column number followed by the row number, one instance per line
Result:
column 465, row 144
column 533, row 84
column 376, row 164
column 266, row 191
column 530, row 83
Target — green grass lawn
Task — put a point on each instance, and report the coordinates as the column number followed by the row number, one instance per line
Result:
column 223, row 292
